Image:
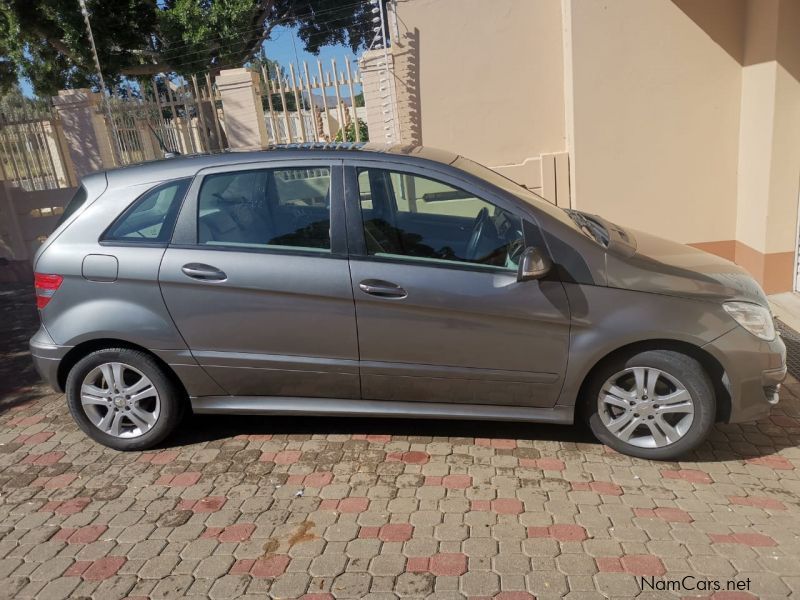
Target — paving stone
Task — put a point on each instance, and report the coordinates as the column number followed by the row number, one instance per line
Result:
column 328, row 565
column 172, row 586
column 229, row 586
column 351, row 585
column 290, row 585
column 58, row 589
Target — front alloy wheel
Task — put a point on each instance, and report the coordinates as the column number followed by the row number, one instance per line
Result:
column 646, row 407
column 656, row 404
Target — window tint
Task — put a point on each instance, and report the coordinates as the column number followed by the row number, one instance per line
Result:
column 266, row 208
column 412, row 216
column 152, row 217
column 73, row 205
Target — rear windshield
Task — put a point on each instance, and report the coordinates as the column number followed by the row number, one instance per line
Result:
column 73, row 205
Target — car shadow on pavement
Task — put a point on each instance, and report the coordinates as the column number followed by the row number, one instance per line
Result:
column 212, row 427
column 726, row 442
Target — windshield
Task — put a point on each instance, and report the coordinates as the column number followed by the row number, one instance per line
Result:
column 586, row 224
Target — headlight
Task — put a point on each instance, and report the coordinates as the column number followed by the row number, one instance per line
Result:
column 753, row 317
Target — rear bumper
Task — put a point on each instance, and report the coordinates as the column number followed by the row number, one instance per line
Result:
column 47, row 357
column 754, row 370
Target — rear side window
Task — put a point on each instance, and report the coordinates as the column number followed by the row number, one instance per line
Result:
column 266, row 209
column 78, row 200
column 152, row 217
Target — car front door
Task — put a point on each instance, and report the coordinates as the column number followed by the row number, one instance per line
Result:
column 257, row 281
column 441, row 315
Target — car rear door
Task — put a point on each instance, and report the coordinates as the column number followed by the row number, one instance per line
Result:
column 434, row 324
column 257, row 281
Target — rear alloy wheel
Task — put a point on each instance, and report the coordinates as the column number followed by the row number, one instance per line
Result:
column 123, row 399
column 656, row 404
column 120, row 400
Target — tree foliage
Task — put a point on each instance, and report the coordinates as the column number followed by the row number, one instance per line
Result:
column 350, row 132
column 45, row 40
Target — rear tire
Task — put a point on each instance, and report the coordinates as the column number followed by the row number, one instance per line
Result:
column 123, row 399
column 671, row 421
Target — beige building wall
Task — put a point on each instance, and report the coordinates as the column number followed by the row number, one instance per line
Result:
column 486, row 79
column 656, row 119
column 769, row 143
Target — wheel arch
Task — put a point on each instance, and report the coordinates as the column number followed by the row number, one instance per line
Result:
column 710, row 364
column 83, row 349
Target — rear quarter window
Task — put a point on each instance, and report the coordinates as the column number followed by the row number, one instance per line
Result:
column 151, row 218
column 78, row 200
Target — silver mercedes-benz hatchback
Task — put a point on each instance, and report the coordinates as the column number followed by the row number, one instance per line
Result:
column 395, row 282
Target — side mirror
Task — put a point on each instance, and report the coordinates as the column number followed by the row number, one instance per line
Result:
column 533, row 264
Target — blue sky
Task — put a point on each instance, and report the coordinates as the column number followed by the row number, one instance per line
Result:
column 285, row 47
column 280, row 48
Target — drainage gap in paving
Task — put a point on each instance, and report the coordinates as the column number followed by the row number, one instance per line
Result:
column 792, row 340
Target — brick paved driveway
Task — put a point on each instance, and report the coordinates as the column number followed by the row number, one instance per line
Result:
column 346, row 508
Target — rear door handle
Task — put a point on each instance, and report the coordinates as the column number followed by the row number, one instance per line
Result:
column 382, row 289
column 203, row 272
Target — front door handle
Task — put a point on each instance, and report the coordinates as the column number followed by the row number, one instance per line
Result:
column 382, row 289
column 203, row 272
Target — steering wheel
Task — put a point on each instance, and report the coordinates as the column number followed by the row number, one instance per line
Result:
column 478, row 229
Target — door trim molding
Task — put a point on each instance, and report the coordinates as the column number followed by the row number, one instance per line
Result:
column 392, row 369
column 280, row 405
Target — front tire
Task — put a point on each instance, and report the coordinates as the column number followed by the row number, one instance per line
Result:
column 123, row 399
column 657, row 404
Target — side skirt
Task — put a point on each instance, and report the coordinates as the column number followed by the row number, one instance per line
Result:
column 279, row 405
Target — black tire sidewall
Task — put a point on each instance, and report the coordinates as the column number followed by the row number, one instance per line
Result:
column 685, row 369
column 170, row 410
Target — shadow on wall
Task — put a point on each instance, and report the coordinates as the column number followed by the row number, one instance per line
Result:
column 750, row 31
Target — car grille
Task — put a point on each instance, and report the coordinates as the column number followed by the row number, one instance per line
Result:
column 792, row 340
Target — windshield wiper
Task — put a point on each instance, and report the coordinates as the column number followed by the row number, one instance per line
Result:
column 590, row 226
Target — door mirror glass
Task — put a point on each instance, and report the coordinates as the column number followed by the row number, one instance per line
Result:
column 533, row 264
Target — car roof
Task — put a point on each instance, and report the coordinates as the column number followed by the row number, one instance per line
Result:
column 186, row 166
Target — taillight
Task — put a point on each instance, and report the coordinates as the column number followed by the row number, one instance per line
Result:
column 46, row 286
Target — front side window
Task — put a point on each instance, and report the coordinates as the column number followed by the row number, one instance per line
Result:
column 410, row 216
column 151, row 218
column 266, row 208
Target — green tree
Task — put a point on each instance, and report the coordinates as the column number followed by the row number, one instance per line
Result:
column 45, row 40
column 350, row 132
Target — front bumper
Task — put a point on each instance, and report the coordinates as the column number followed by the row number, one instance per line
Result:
column 47, row 357
column 754, row 370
